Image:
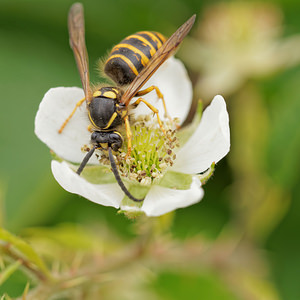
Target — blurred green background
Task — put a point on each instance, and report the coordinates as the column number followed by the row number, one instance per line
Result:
column 254, row 194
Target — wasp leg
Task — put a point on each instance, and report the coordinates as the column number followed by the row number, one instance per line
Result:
column 90, row 128
column 128, row 134
column 159, row 95
column 71, row 115
column 155, row 110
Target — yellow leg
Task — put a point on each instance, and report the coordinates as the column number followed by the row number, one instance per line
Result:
column 154, row 109
column 159, row 95
column 129, row 135
column 90, row 128
column 71, row 115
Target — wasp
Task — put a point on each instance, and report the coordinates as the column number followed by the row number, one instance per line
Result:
column 130, row 64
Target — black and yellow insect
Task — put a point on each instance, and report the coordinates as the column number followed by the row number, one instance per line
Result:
column 131, row 55
column 130, row 64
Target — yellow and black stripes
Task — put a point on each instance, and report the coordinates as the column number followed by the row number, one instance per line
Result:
column 131, row 55
column 105, row 112
column 107, row 92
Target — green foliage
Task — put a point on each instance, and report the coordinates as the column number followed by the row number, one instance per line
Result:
column 251, row 204
column 175, row 286
column 8, row 271
column 14, row 245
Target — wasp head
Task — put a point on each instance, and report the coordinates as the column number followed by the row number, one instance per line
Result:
column 112, row 139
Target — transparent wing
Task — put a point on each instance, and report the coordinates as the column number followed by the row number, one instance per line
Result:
column 163, row 53
column 77, row 43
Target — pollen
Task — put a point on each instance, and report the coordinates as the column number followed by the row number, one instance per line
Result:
column 152, row 152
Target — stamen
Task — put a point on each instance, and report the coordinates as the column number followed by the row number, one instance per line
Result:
column 152, row 152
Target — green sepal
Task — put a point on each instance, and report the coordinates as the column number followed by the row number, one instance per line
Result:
column 55, row 156
column 132, row 214
column 207, row 174
column 199, row 111
column 138, row 191
column 176, row 180
column 96, row 174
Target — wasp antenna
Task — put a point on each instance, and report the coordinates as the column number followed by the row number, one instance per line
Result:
column 85, row 160
column 118, row 178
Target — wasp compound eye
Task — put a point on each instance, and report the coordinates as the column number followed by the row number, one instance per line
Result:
column 115, row 140
column 94, row 136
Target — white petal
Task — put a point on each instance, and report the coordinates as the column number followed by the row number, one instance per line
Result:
column 161, row 200
column 104, row 194
column 209, row 143
column 173, row 81
column 54, row 109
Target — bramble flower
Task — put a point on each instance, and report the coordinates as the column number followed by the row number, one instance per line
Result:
column 164, row 170
column 235, row 41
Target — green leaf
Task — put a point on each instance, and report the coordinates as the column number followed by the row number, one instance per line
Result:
column 7, row 272
column 24, row 248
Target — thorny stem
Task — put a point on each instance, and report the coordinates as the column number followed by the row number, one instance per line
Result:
column 40, row 275
column 159, row 252
column 59, row 285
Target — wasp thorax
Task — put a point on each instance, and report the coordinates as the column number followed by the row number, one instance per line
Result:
column 105, row 111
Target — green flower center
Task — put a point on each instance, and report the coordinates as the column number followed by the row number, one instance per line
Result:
column 152, row 152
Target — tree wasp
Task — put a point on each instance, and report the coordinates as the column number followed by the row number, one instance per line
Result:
column 130, row 64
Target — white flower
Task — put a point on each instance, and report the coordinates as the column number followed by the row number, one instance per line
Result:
column 178, row 186
column 235, row 41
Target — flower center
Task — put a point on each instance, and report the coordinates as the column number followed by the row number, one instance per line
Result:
column 152, row 151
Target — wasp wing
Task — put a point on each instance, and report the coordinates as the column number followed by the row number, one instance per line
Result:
column 163, row 53
column 77, row 43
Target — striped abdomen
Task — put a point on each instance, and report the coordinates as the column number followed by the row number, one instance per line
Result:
column 131, row 55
